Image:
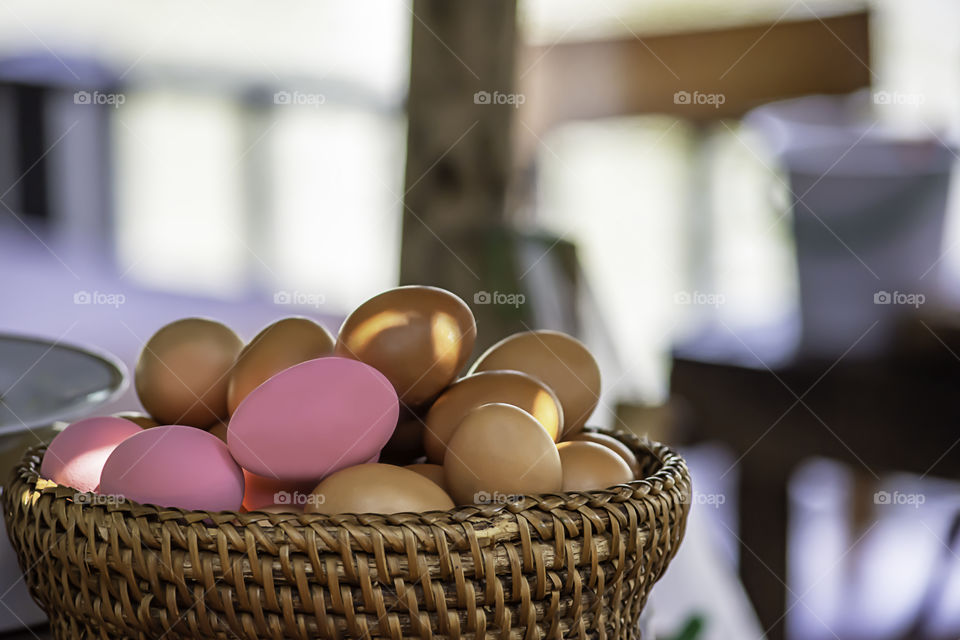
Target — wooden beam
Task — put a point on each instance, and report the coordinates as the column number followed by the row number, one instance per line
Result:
column 749, row 65
column 455, row 220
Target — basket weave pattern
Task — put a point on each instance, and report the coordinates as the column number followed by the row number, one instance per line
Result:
column 572, row 565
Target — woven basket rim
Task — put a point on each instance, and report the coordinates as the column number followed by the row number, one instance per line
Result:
column 551, row 565
column 670, row 471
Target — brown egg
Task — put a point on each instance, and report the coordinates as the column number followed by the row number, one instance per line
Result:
column 377, row 488
column 433, row 472
column 140, row 419
column 219, row 430
column 613, row 444
column 499, row 452
column 588, row 466
column 277, row 347
column 508, row 387
column 406, row 443
column 563, row 363
column 418, row 337
column 183, row 371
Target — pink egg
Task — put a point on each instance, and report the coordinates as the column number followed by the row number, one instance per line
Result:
column 174, row 466
column 260, row 492
column 312, row 419
column 76, row 456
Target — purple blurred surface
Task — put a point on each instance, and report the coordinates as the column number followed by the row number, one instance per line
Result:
column 43, row 286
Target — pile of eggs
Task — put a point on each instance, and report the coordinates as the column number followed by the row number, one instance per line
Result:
column 375, row 420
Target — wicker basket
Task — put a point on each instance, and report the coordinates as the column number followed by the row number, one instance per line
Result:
column 574, row 565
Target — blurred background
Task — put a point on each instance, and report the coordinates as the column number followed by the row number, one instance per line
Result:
column 746, row 208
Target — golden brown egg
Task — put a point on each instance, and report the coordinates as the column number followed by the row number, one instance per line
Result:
column 500, row 452
column 418, row 337
column 219, row 430
column 508, row 387
column 182, row 373
column 588, row 466
column 612, row 443
column 277, row 347
column 563, row 363
column 140, row 419
column 377, row 488
column 433, row 472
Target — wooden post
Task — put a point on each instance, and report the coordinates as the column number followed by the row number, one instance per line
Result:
column 455, row 221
